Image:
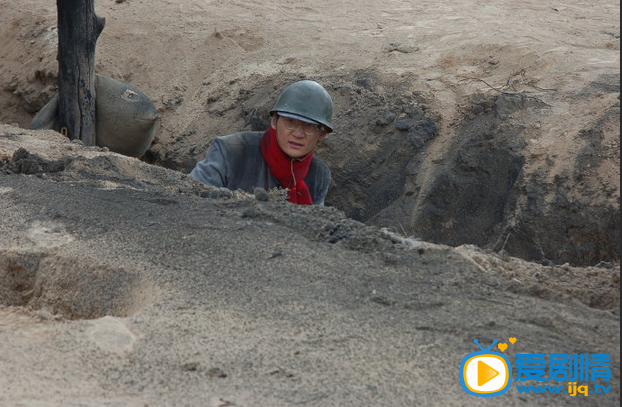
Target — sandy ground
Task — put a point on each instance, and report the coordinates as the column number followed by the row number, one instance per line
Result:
column 113, row 295
column 121, row 286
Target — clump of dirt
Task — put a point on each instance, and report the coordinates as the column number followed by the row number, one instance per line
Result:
column 48, row 155
column 23, row 162
column 70, row 288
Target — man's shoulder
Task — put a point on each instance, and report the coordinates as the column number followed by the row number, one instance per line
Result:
column 321, row 165
column 320, row 168
column 243, row 138
column 238, row 148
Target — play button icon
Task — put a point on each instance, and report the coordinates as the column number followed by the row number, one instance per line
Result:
column 485, row 373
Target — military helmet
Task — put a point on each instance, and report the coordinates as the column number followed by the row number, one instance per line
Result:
column 307, row 101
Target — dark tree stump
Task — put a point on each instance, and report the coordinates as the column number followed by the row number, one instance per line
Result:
column 78, row 30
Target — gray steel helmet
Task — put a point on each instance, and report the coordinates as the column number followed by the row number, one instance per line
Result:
column 306, row 100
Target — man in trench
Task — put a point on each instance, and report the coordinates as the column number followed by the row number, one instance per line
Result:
column 281, row 157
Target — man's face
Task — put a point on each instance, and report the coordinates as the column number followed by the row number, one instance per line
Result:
column 296, row 138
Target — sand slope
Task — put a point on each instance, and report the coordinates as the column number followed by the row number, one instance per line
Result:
column 121, row 286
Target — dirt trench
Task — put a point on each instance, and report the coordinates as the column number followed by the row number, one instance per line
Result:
column 398, row 160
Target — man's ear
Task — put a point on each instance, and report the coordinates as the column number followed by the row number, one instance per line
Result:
column 323, row 136
column 273, row 121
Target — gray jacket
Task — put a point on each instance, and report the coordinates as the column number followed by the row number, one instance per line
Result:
column 235, row 162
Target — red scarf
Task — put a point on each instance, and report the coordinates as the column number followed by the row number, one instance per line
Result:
column 290, row 172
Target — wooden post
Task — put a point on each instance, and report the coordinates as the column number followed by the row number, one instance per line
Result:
column 78, row 30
